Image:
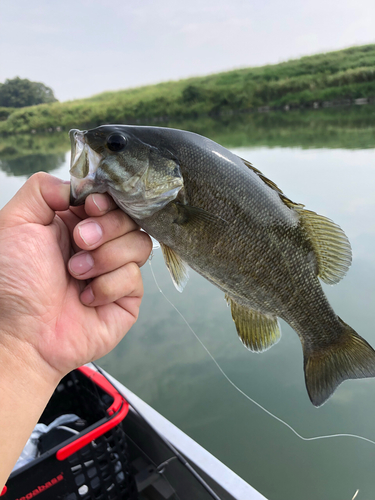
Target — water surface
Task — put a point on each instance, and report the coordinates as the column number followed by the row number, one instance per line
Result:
column 162, row 362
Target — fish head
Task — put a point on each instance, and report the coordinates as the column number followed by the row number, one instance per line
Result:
column 141, row 176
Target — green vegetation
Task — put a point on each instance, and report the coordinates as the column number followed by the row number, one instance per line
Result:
column 351, row 127
column 347, row 128
column 5, row 112
column 325, row 79
column 18, row 93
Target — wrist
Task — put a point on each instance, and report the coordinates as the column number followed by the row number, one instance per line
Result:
column 25, row 389
column 22, row 368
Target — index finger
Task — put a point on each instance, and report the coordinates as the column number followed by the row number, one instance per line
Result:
column 95, row 205
column 99, row 204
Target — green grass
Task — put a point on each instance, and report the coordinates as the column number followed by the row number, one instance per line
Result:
column 339, row 76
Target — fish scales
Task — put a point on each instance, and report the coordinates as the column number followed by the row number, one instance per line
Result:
column 254, row 209
column 215, row 212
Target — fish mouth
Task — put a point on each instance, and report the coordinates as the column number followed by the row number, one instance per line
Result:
column 84, row 163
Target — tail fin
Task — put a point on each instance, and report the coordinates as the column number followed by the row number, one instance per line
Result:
column 349, row 358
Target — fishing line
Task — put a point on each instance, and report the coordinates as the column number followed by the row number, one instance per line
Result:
column 268, row 412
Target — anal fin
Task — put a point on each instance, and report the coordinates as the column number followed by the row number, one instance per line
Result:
column 176, row 266
column 257, row 331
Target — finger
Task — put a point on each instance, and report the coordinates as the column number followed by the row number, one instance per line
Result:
column 93, row 207
column 131, row 305
column 99, row 204
column 79, row 211
column 124, row 313
column 135, row 247
column 95, row 231
column 37, row 200
column 107, row 288
column 70, row 220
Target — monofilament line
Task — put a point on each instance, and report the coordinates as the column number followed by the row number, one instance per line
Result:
column 313, row 438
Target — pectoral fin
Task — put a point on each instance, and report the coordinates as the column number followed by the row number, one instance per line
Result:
column 176, row 266
column 194, row 215
column 257, row 331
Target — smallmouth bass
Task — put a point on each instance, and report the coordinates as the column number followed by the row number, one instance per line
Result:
column 215, row 212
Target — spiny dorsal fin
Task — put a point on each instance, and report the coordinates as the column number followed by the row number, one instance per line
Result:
column 257, row 331
column 176, row 266
column 270, row 184
column 350, row 358
column 331, row 245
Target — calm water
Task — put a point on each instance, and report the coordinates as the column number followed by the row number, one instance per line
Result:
column 162, row 362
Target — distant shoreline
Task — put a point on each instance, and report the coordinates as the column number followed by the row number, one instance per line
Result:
column 335, row 79
column 262, row 109
column 343, row 127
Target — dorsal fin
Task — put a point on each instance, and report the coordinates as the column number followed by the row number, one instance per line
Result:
column 270, row 184
column 176, row 266
column 257, row 331
column 331, row 245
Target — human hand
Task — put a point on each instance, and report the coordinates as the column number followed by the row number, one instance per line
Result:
column 52, row 318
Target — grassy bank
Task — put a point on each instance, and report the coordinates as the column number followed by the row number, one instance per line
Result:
column 339, row 77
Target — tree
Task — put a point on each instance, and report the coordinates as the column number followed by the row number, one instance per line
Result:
column 18, row 92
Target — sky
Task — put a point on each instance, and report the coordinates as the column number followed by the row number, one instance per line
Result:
column 83, row 47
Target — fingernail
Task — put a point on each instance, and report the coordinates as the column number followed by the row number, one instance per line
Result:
column 81, row 263
column 101, row 202
column 90, row 232
column 87, row 296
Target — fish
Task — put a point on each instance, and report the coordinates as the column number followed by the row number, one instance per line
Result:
column 214, row 212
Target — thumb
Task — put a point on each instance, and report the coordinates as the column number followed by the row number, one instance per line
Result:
column 36, row 201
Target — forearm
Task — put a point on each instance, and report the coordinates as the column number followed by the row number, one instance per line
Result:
column 25, row 389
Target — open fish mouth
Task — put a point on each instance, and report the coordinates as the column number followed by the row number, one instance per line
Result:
column 84, row 163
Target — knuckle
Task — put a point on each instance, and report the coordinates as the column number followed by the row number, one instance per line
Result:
column 135, row 315
column 38, row 177
column 133, row 272
column 125, row 222
column 147, row 242
column 144, row 245
column 102, row 287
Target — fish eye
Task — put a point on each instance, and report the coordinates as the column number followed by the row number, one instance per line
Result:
column 116, row 142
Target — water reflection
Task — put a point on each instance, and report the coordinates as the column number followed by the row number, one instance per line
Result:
column 340, row 128
column 28, row 165
column 24, row 155
column 347, row 128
